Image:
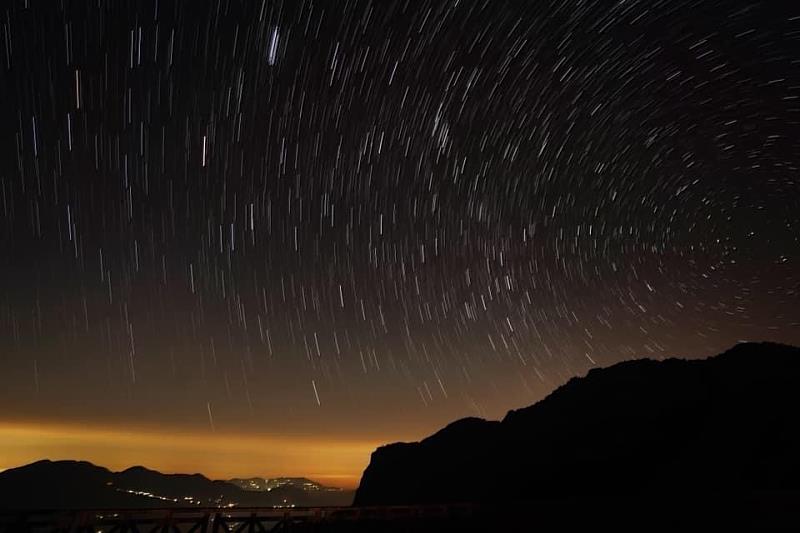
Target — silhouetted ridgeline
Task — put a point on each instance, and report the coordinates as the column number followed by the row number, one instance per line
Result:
column 82, row 485
column 675, row 429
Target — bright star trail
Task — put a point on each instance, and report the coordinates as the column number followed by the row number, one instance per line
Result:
column 357, row 221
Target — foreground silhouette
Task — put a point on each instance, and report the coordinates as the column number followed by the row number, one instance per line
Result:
column 701, row 432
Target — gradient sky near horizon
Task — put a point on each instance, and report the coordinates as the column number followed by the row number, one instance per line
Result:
column 262, row 237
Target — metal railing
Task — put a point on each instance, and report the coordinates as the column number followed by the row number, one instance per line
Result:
column 210, row 520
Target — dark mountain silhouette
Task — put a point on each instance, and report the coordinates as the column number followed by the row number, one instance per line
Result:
column 79, row 484
column 63, row 484
column 185, row 488
column 642, row 430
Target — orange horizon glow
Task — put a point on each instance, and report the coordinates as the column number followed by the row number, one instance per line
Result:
column 218, row 455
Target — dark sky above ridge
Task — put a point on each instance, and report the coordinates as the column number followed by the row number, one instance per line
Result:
column 336, row 224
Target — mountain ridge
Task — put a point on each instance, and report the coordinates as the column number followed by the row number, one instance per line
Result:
column 75, row 484
column 635, row 425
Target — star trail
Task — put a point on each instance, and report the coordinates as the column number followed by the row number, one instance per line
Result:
column 358, row 220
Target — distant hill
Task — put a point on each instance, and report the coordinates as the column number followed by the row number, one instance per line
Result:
column 79, row 484
column 64, row 484
column 269, row 484
column 643, row 429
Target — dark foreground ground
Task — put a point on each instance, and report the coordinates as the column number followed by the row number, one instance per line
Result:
column 763, row 511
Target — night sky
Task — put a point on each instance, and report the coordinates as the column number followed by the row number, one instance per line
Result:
column 263, row 237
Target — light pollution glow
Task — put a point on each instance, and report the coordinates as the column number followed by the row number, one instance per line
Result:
column 217, row 456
